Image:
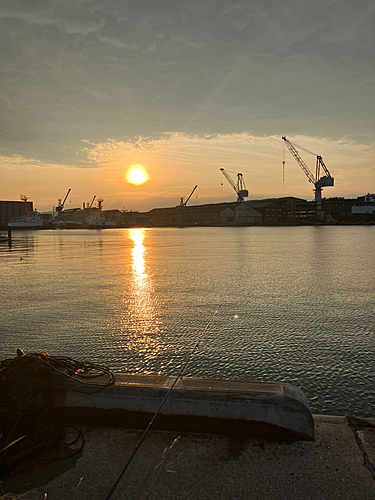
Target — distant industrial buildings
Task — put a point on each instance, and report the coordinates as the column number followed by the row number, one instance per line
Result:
column 215, row 214
column 273, row 211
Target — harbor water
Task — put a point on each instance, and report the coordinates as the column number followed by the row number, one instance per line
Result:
column 295, row 304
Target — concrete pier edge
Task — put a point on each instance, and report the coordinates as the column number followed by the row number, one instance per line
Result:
column 335, row 465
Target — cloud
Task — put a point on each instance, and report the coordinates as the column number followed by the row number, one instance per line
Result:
column 175, row 40
column 15, row 162
column 152, row 47
column 63, row 15
column 113, row 152
column 115, row 42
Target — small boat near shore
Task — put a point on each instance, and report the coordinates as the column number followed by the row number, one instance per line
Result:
column 82, row 392
column 252, row 408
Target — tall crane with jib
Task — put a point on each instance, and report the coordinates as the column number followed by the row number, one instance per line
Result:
column 239, row 188
column 318, row 182
column 182, row 216
column 60, row 205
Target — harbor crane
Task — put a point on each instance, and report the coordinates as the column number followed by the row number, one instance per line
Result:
column 60, row 205
column 239, row 188
column 92, row 201
column 317, row 181
column 182, row 216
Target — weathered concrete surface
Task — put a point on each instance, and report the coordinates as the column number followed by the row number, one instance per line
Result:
column 195, row 405
column 212, row 466
column 367, row 437
column 364, row 433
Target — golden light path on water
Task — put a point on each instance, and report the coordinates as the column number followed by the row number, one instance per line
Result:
column 144, row 319
column 138, row 255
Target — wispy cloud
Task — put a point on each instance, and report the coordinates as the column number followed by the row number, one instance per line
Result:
column 62, row 15
column 116, row 42
column 14, row 162
column 112, row 152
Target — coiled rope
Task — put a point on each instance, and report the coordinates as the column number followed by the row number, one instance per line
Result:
column 29, row 435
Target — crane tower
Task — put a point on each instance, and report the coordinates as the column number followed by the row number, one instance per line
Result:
column 100, row 203
column 319, row 182
column 239, row 188
column 24, row 198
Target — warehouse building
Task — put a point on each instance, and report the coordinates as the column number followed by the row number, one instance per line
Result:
column 212, row 214
column 11, row 209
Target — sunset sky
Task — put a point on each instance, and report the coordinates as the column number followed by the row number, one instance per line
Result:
column 89, row 88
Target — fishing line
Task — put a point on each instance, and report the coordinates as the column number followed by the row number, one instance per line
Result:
column 156, row 414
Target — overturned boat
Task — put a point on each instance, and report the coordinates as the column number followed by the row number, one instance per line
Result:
column 262, row 409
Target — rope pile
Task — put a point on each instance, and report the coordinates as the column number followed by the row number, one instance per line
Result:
column 29, row 436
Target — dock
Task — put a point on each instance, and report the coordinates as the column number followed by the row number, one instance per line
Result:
column 337, row 465
column 214, row 439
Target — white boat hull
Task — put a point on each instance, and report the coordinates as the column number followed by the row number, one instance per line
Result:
column 32, row 221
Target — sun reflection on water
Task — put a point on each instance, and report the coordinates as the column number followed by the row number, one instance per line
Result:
column 138, row 251
column 143, row 322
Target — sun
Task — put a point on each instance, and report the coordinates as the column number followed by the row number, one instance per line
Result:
column 137, row 174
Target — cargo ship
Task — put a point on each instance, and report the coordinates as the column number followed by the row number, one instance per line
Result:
column 30, row 221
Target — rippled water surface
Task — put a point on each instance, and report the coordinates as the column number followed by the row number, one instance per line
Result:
column 296, row 304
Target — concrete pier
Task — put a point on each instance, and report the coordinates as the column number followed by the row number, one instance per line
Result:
column 225, row 440
column 337, row 465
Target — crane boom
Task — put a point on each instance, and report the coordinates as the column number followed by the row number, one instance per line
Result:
column 60, row 205
column 190, row 195
column 92, row 201
column 229, row 179
column 240, row 188
column 299, row 160
column 67, row 194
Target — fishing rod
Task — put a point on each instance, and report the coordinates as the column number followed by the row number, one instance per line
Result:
column 156, row 414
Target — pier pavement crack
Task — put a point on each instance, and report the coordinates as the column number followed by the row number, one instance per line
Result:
column 354, row 427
